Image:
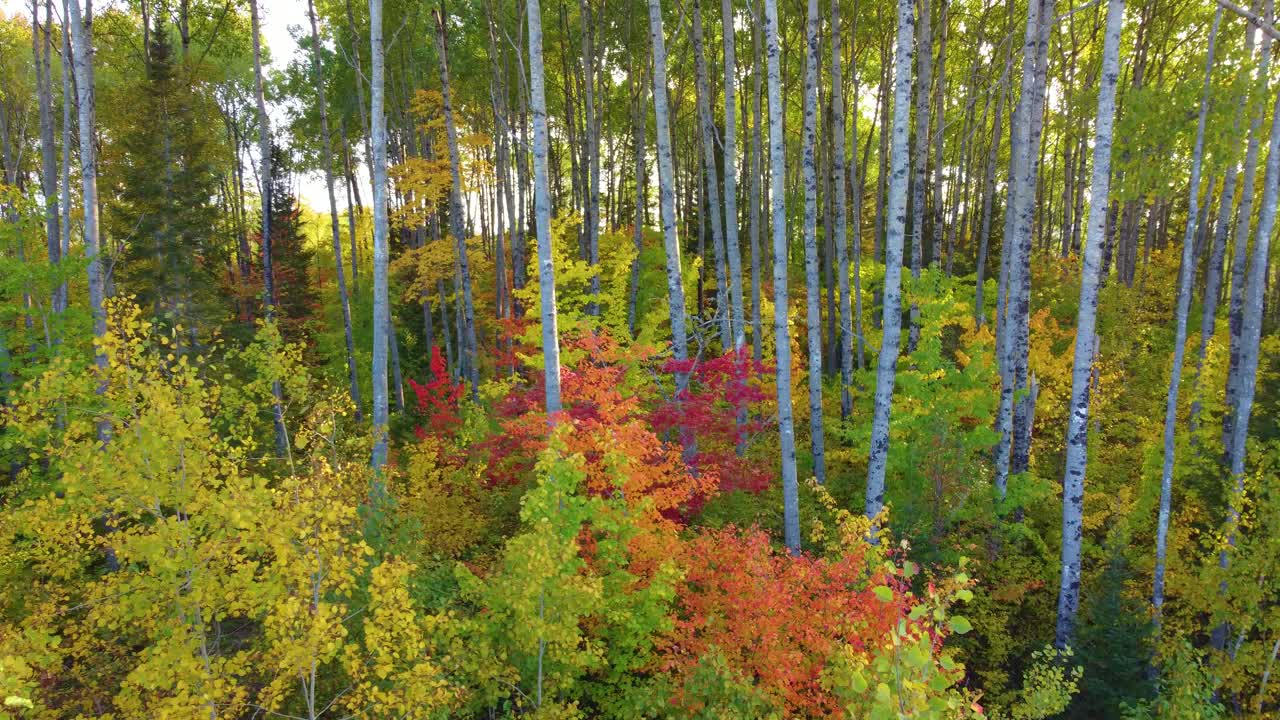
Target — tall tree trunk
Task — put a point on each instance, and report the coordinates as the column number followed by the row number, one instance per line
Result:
column 542, row 211
column 353, row 207
column 1253, row 299
column 920, row 162
column 635, row 81
column 755, row 205
column 381, row 301
column 40, row 49
column 1017, row 249
column 813, row 294
column 1185, row 275
column 781, row 334
column 326, row 159
column 731, row 176
column 1240, row 248
column 82, row 60
column 715, row 210
column 68, row 103
column 591, row 164
column 264, row 177
column 1217, row 254
column 469, row 367
column 882, row 175
column 666, row 192
column 939, row 108
column 1086, row 331
column 895, row 230
column 504, row 230
column 841, row 229
column 1020, row 299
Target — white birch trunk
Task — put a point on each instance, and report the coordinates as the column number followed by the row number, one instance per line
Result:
column 1086, row 328
column 381, row 306
column 840, row 230
column 895, row 231
column 326, row 159
column 666, row 191
column 710, row 176
column 468, row 317
column 738, row 322
column 781, row 333
column 1185, row 275
column 82, row 62
column 813, row 294
column 542, row 210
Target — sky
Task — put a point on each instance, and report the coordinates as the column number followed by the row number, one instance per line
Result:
column 276, row 17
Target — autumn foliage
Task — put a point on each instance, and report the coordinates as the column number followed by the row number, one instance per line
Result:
column 611, row 430
column 777, row 618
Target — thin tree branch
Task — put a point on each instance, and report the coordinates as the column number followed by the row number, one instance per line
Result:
column 1260, row 22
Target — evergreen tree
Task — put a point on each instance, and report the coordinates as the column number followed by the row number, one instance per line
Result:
column 163, row 207
column 296, row 297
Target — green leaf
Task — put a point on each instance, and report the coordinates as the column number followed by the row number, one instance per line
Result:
column 959, row 624
column 883, row 592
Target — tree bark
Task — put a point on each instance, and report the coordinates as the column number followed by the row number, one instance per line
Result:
column 920, row 163
column 1086, row 332
column 1011, row 324
column 1240, row 248
column 542, row 211
column 711, row 181
column 1254, row 301
column 813, row 294
column 840, row 234
column 666, row 192
column 591, row 169
column 381, row 302
column 738, row 322
column 40, row 50
column 469, row 368
column 82, row 61
column 755, row 206
column 68, row 103
column 1185, row 276
column 895, row 230
column 326, row 159
column 1217, row 253
column 781, row 334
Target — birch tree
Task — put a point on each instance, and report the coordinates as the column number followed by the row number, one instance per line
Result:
column 82, row 63
column 1245, row 348
column 920, row 163
column 1185, row 275
column 468, row 316
column 326, row 160
column 755, row 206
column 542, row 210
column 666, row 191
column 381, row 303
column 591, row 151
column 813, row 294
column 781, row 333
column 264, row 177
column 68, row 101
column 840, row 227
column 1217, row 254
column 738, row 322
column 895, row 232
column 1013, row 319
column 711, row 180
column 1077, row 442
column 40, row 50
column 1240, row 245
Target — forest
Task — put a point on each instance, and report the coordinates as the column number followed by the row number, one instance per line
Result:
column 615, row 359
